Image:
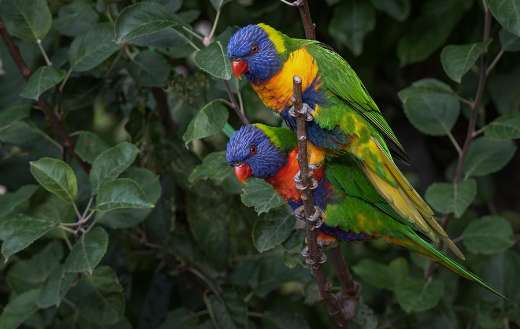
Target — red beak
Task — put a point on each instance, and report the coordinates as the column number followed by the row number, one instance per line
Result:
column 243, row 172
column 238, row 67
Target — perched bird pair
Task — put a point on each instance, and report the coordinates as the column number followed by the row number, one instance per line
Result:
column 360, row 190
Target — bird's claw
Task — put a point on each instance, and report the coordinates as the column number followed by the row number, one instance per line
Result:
column 305, row 110
column 316, row 219
column 300, row 186
column 309, row 260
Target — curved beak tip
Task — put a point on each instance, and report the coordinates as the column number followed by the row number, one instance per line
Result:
column 239, row 67
column 243, row 172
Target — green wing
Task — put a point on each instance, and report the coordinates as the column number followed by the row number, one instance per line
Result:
column 356, row 195
column 338, row 78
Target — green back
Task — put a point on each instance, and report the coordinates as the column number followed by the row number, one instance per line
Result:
column 282, row 138
column 341, row 80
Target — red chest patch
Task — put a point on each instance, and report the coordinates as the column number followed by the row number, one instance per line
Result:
column 283, row 181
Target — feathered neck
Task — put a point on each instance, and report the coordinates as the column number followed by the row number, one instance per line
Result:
column 283, row 180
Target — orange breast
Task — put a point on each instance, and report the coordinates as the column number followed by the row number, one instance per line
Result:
column 277, row 91
column 283, row 181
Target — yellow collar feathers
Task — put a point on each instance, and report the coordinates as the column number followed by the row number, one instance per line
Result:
column 275, row 36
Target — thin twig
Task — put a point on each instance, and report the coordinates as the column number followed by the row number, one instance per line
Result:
column 213, row 28
column 455, row 144
column 235, row 106
column 44, row 53
column 495, row 61
column 474, row 107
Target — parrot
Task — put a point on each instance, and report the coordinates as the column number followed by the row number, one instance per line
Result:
column 351, row 208
column 342, row 119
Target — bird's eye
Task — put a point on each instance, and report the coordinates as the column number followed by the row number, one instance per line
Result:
column 254, row 49
column 252, row 149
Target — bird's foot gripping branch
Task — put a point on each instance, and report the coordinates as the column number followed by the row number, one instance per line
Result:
column 305, row 110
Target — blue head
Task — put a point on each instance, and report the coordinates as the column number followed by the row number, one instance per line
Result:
column 254, row 50
column 252, row 153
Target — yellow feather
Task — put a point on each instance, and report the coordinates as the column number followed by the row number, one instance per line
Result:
column 275, row 37
column 316, row 154
column 405, row 200
column 277, row 91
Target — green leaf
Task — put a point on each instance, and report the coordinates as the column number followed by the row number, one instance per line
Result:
column 431, row 106
column 21, row 231
column 56, row 287
column 272, row 229
column 488, row 235
column 507, row 13
column 76, row 18
column 217, row 4
column 430, row 30
column 30, row 139
column 13, row 114
column 42, row 80
column 509, row 41
column 150, row 69
column 398, row 9
column 10, row 202
column 180, row 318
column 27, row 19
column 172, row 5
column 140, row 21
column 486, row 156
column 31, row 273
column 19, row 309
column 351, row 21
column 374, row 273
column 212, row 238
column 92, row 48
column 213, row 60
column 506, row 126
column 124, row 218
column 119, row 194
column 111, row 163
column 457, row 60
column 261, row 195
column 452, row 198
column 282, row 319
column 89, row 146
column 100, row 298
column 56, row 177
column 209, row 121
column 505, row 90
column 88, row 251
column 213, row 167
column 418, row 295
column 219, row 314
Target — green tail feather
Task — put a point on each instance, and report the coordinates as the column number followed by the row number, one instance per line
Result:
column 429, row 250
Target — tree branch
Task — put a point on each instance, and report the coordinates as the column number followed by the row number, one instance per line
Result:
column 163, row 110
column 346, row 301
column 51, row 116
column 305, row 15
column 311, row 234
column 474, row 107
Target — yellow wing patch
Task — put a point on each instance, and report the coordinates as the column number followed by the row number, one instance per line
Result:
column 277, row 91
column 275, row 37
column 316, row 154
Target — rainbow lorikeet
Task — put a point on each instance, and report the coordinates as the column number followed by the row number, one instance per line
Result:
column 350, row 206
column 343, row 120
